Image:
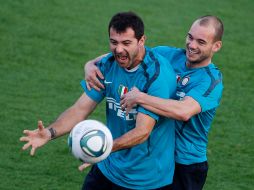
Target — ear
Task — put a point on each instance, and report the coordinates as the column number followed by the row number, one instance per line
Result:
column 216, row 46
column 142, row 40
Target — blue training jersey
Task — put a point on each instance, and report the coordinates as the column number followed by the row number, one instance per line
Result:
column 150, row 164
column 205, row 86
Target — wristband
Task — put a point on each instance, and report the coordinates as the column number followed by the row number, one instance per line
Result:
column 52, row 133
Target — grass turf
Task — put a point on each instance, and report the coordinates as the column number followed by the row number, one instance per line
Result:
column 43, row 46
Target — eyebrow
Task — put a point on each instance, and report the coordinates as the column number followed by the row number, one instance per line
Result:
column 201, row 40
column 121, row 41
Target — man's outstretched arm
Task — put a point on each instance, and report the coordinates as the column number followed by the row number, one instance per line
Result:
column 64, row 123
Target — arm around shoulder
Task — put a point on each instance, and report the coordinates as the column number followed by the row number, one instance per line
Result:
column 92, row 72
column 176, row 109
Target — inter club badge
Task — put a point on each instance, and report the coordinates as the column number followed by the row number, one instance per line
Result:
column 185, row 80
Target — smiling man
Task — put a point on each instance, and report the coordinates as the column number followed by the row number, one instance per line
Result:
column 199, row 91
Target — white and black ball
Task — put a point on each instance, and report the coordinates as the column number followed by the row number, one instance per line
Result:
column 90, row 141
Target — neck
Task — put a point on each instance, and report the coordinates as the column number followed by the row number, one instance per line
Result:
column 139, row 58
column 204, row 63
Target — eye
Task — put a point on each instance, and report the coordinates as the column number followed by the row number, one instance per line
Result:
column 126, row 43
column 113, row 42
column 202, row 42
column 189, row 37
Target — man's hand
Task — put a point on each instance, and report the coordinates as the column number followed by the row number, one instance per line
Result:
column 35, row 138
column 129, row 100
column 92, row 73
column 84, row 166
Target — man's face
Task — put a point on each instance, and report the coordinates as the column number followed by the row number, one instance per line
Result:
column 200, row 45
column 125, row 47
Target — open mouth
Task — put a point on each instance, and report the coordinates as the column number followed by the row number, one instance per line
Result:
column 122, row 57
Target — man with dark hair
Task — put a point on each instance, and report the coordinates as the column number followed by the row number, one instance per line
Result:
column 138, row 159
column 199, row 91
column 120, row 23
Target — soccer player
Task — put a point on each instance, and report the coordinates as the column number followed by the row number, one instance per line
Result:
column 199, row 91
column 138, row 159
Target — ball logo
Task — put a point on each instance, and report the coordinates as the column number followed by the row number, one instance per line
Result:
column 88, row 145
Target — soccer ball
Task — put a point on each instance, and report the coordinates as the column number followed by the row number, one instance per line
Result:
column 90, row 141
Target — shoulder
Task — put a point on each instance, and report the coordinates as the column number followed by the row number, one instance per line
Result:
column 209, row 81
column 155, row 63
column 174, row 55
column 106, row 63
column 206, row 87
column 212, row 73
column 168, row 51
column 158, row 71
column 108, row 59
column 152, row 62
column 152, row 57
column 158, row 62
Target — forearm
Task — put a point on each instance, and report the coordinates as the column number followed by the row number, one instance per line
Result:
column 155, row 110
column 144, row 126
column 129, row 140
column 180, row 110
column 66, row 121
column 73, row 115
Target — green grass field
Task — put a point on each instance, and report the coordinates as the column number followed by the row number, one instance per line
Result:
column 43, row 47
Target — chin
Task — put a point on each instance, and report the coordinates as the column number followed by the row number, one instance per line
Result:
column 123, row 65
column 189, row 59
column 193, row 61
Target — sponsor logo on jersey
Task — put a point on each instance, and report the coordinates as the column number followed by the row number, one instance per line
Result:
column 107, row 82
column 113, row 105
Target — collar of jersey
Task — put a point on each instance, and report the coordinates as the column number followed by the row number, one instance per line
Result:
column 210, row 66
column 133, row 69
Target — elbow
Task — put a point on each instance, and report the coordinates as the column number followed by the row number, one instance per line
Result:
column 185, row 117
column 144, row 137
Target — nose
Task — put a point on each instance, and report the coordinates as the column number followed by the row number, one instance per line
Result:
column 192, row 44
column 119, row 49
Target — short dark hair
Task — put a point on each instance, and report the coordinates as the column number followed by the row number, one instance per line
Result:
column 215, row 22
column 123, row 20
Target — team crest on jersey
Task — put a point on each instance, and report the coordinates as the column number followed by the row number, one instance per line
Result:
column 185, row 80
column 122, row 90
